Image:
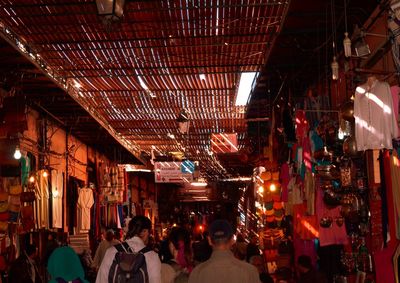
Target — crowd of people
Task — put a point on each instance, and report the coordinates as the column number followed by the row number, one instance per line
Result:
column 213, row 256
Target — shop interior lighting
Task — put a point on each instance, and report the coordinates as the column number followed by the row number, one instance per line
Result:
column 17, row 153
column 245, row 87
column 260, row 189
column 202, row 77
column 199, row 183
column 272, row 187
column 32, row 179
column 45, row 174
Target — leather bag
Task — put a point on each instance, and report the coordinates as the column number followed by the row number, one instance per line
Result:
column 15, row 190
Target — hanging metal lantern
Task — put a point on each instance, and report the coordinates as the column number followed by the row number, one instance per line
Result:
column 350, row 147
column 112, row 10
column 347, row 45
column 347, row 111
column 335, row 69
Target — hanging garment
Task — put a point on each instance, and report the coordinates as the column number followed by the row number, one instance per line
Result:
column 43, row 200
column 384, row 258
column 25, row 169
column 57, row 189
column 85, row 202
column 335, row 234
column 309, row 192
column 285, row 177
column 395, row 90
column 395, row 174
column 301, row 124
column 396, row 264
column 375, row 121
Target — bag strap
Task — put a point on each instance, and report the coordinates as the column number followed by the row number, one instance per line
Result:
column 145, row 250
column 124, row 247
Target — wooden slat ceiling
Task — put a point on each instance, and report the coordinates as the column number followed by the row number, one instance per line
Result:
column 163, row 44
column 29, row 84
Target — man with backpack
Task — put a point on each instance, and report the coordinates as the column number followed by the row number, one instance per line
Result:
column 131, row 261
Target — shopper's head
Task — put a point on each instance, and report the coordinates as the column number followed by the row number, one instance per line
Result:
column 109, row 235
column 304, row 263
column 139, row 226
column 221, row 234
column 180, row 246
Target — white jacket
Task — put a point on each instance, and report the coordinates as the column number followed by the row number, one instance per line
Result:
column 152, row 262
column 375, row 121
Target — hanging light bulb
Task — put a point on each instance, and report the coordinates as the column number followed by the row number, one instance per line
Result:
column 32, row 179
column 335, row 69
column 17, row 153
column 272, row 187
column 45, row 174
column 347, row 45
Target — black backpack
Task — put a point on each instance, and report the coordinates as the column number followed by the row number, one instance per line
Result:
column 128, row 266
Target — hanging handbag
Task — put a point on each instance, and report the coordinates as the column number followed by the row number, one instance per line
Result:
column 29, row 195
column 3, row 206
column 15, row 190
column 14, row 200
column 3, row 197
column 14, row 207
column 3, row 226
column 27, row 220
column 4, row 216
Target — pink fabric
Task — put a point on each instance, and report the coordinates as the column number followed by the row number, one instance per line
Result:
column 306, row 145
column 301, row 124
column 285, row 178
column 333, row 235
column 305, row 247
column 180, row 259
column 395, row 90
column 384, row 265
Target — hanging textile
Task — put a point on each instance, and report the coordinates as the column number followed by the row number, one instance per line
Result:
column 85, row 202
column 43, row 200
column 334, row 234
column 375, row 122
column 395, row 174
column 25, row 169
column 57, row 190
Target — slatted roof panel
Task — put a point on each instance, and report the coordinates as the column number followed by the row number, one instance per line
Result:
column 136, row 76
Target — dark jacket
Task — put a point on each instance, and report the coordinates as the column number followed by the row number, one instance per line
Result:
column 21, row 271
column 312, row 276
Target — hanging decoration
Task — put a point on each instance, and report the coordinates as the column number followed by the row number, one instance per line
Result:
column 346, row 40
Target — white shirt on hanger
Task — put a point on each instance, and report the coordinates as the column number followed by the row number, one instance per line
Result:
column 375, row 122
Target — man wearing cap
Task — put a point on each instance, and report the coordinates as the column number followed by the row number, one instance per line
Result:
column 222, row 265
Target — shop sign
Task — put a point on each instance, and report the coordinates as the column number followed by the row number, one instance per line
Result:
column 224, row 143
column 173, row 172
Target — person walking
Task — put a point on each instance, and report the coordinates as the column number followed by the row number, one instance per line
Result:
column 178, row 268
column 108, row 242
column 307, row 273
column 139, row 230
column 24, row 268
column 222, row 265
